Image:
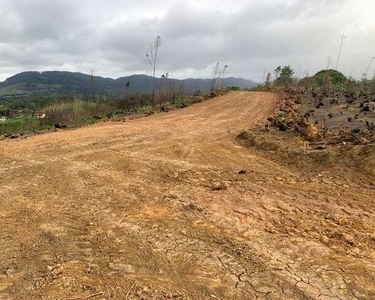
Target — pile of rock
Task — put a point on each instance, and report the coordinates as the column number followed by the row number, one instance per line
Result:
column 299, row 124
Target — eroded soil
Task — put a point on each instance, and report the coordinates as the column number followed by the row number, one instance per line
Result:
column 341, row 112
column 173, row 207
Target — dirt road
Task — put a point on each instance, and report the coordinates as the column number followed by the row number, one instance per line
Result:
column 157, row 208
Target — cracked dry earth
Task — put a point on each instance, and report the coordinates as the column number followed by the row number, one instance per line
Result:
column 156, row 208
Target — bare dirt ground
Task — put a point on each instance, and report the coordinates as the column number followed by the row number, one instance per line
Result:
column 158, row 208
column 341, row 111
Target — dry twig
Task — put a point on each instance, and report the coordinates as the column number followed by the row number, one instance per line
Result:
column 131, row 288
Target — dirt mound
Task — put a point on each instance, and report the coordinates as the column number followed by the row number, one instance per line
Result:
column 315, row 118
column 291, row 150
column 294, row 139
column 289, row 119
column 298, row 124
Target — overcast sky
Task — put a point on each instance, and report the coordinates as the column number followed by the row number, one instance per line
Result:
column 250, row 36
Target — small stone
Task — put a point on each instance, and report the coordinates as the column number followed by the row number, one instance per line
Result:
column 129, row 269
column 217, row 186
column 324, row 239
column 9, row 272
column 356, row 250
column 114, row 266
column 348, row 238
column 66, row 283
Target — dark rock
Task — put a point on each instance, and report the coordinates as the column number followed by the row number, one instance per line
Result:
column 320, row 104
column 321, row 147
column 307, row 115
column 356, row 130
column 282, row 126
column 60, row 126
column 366, row 106
column 165, row 109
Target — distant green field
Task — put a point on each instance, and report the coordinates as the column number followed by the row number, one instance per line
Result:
column 20, row 125
column 12, row 89
column 22, row 89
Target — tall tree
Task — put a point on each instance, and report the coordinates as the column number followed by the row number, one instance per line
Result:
column 92, row 74
column 365, row 72
column 268, row 80
column 285, row 75
column 218, row 77
column 222, row 74
column 215, row 75
column 151, row 62
column 342, row 44
column 277, row 72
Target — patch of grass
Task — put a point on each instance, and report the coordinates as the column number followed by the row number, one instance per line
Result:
column 12, row 89
column 74, row 112
column 21, row 125
column 183, row 101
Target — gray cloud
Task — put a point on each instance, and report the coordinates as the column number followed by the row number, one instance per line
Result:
column 251, row 36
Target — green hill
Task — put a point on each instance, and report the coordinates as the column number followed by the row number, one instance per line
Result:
column 336, row 78
column 62, row 83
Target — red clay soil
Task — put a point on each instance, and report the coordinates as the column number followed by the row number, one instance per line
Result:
column 173, row 207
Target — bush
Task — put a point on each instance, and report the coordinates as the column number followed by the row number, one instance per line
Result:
column 234, row 88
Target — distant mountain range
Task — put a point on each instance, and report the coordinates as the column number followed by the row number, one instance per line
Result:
column 55, row 82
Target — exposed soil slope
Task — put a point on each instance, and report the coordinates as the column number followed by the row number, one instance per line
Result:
column 173, row 207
